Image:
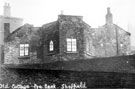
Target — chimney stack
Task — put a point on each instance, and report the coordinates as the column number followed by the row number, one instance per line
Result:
column 109, row 17
column 6, row 10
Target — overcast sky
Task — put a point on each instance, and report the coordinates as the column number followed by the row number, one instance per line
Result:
column 39, row 12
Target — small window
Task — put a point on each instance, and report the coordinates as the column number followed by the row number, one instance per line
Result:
column 24, row 49
column 71, row 45
column 51, row 46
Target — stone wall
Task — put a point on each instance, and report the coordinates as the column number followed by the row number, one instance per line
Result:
column 50, row 32
column 71, row 27
column 89, row 49
column 11, row 52
column 23, row 35
column 124, row 42
column 104, row 40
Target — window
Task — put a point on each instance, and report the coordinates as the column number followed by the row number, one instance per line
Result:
column 24, row 49
column 121, row 45
column 71, row 45
column 51, row 46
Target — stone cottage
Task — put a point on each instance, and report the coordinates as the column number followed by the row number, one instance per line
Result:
column 67, row 38
column 63, row 39
column 110, row 39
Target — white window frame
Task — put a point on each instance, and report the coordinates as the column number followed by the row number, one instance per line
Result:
column 51, row 46
column 24, row 50
column 71, row 45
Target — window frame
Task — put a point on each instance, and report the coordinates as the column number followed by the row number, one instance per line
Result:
column 51, row 46
column 71, row 45
column 25, row 49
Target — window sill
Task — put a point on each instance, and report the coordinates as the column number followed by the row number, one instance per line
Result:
column 72, row 52
column 51, row 53
column 24, row 57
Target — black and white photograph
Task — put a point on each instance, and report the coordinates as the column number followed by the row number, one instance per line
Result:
column 67, row 44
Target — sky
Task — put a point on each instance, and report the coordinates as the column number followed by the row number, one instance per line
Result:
column 39, row 12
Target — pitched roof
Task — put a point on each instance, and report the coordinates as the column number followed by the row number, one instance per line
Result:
column 123, row 29
column 20, row 28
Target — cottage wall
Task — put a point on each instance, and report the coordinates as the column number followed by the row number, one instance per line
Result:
column 23, row 35
column 50, row 32
column 111, row 40
column 124, row 41
column 89, row 49
column 71, row 27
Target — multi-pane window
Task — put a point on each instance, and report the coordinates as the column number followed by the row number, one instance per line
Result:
column 51, row 46
column 71, row 45
column 24, row 49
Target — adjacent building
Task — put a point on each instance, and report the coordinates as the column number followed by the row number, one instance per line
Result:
column 67, row 38
column 110, row 39
column 8, row 23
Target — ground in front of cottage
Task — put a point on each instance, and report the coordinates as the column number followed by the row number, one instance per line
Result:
column 10, row 78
